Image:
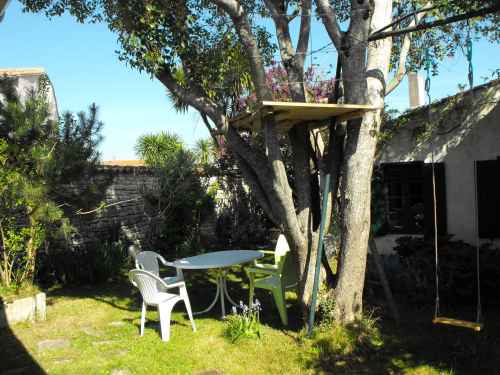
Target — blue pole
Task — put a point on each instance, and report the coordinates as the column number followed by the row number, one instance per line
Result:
column 312, row 311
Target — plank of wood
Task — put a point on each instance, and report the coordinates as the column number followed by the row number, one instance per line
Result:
column 458, row 323
column 287, row 113
column 295, row 105
column 350, row 116
column 17, row 72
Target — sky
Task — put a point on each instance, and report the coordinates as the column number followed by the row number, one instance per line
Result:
column 84, row 68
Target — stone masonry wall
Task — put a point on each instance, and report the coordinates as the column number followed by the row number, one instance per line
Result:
column 120, row 211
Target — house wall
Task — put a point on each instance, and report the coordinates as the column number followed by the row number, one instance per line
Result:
column 472, row 129
column 28, row 82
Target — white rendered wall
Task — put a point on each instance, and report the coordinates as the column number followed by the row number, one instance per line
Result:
column 472, row 133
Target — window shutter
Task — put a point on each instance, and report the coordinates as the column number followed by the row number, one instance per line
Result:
column 488, row 198
column 440, row 199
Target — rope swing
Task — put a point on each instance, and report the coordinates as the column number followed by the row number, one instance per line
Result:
column 438, row 319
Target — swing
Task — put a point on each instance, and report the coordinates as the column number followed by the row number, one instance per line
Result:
column 477, row 325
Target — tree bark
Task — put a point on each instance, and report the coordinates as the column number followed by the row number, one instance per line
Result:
column 360, row 151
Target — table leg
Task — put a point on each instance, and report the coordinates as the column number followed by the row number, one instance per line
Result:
column 212, row 304
column 222, row 306
column 220, row 294
column 227, row 294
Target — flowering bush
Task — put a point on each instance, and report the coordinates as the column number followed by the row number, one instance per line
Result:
column 317, row 87
column 244, row 322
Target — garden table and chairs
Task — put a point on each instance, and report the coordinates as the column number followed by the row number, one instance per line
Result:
column 220, row 261
column 155, row 290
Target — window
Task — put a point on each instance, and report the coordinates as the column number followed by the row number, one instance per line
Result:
column 409, row 198
column 405, row 198
column 488, row 197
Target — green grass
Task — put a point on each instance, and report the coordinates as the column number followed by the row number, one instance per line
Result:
column 8, row 294
column 87, row 318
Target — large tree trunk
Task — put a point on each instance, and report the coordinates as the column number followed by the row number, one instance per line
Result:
column 359, row 154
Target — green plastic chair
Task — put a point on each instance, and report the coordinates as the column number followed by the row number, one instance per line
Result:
column 274, row 277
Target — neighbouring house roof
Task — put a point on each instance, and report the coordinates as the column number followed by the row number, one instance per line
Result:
column 416, row 135
column 27, row 79
column 124, row 163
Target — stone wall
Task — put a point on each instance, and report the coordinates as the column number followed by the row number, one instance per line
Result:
column 118, row 210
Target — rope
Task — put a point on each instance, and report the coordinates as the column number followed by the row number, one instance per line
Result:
column 470, row 76
column 428, row 64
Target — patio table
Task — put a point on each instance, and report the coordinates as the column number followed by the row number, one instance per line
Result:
column 221, row 261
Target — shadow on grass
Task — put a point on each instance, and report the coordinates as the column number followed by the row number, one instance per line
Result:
column 14, row 357
column 416, row 346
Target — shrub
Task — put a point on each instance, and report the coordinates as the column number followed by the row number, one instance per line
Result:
column 244, row 323
column 457, row 270
column 345, row 343
column 37, row 155
column 181, row 199
column 241, row 221
column 84, row 265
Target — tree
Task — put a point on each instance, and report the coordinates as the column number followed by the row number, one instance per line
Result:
column 374, row 60
column 180, row 200
column 27, row 141
column 37, row 156
column 222, row 52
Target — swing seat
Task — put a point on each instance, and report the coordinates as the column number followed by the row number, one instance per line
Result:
column 458, row 323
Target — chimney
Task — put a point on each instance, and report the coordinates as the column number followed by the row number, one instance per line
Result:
column 416, row 88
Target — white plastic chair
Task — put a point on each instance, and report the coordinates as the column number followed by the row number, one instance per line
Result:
column 153, row 291
column 149, row 261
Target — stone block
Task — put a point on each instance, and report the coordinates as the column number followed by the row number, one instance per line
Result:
column 41, row 306
column 53, row 344
column 19, row 310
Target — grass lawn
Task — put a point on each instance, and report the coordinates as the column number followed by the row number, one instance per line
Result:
column 98, row 331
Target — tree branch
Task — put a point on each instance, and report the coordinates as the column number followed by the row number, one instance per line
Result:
column 191, row 97
column 329, row 19
column 304, row 30
column 256, row 188
column 424, row 9
column 405, row 49
column 209, row 128
column 240, row 20
column 437, row 23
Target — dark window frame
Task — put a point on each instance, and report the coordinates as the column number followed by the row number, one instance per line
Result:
column 420, row 173
column 404, row 190
column 488, row 198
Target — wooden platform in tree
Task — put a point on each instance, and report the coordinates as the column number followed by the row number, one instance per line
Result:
column 18, row 72
column 288, row 114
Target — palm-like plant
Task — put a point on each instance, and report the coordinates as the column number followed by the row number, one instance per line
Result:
column 158, row 150
column 205, row 152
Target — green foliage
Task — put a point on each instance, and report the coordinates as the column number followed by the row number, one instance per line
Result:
column 193, row 40
column 76, row 151
column 37, row 156
column 160, row 150
column 87, row 264
column 206, row 152
column 457, row 270
column 181, row 199
column 27, row 141
column 244, row 323
column 334, row 344
column 326, row 306
column 241, row 220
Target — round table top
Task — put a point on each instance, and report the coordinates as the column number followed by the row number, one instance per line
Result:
column 217, row 259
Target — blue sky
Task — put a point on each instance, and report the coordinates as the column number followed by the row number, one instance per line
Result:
column 84, row 68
